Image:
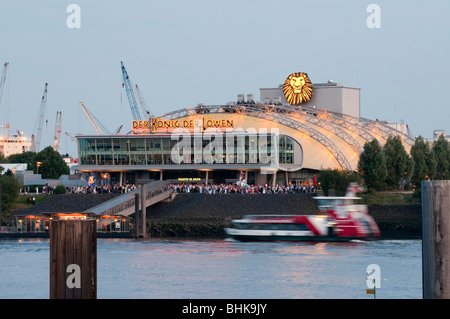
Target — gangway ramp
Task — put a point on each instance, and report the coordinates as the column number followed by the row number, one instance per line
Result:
column 124, row 204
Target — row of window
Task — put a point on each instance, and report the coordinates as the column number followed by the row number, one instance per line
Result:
column 158, row 151
column 268, row 226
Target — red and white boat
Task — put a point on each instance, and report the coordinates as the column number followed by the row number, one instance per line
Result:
column 340, row 220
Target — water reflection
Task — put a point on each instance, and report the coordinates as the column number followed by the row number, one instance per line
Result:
column 188, row 268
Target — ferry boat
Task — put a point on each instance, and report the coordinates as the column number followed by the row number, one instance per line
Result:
column 340, row 220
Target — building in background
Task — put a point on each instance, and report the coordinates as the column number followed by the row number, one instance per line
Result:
column 13, row 144
column 436, row 134
column 293, row 132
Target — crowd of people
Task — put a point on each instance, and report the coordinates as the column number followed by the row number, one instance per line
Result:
column 232, row 188
column 45, row 189
column 105, row 189
column 237, row 188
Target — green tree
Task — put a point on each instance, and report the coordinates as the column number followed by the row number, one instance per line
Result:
column 424, row 158
column 399, row 165
column 3, row 158
column 51, row 164
column 430, row 158
column 372, row 165
column 10, row 188
column 442, row 155
column 25, row 157
column 337, row 180
column 420, row 153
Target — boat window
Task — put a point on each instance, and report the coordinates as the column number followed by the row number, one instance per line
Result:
column 323, row 202
column 271, row 226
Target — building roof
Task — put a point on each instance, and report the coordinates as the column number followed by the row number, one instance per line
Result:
column 13, row 166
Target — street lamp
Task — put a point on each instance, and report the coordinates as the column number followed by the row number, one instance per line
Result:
column 37, row 167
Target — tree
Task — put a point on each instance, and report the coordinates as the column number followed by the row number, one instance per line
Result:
column 420, row 154
column 372, row 165
column 10, row 188
column 25, row 157
column 430, row 158
column 399, row 165
column 50, row 163
column 337, row 180
column 441, row 151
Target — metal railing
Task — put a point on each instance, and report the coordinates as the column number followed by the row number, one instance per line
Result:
column 121, row 203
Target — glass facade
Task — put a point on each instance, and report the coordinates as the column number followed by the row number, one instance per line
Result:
column 157, row 150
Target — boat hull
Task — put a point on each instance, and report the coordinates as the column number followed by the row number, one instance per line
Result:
column 249, row 237
column 246, row 238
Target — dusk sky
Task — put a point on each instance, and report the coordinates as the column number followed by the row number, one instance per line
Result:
column 182, row 53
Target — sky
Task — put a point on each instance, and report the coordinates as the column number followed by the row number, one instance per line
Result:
column 182, row 53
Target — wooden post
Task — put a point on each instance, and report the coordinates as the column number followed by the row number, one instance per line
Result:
column 143, row 211
column 73, row 259
column 1, row 212
column 436, row 239
column 136, row 216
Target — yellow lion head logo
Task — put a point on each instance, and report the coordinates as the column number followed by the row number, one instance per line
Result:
column 297, row 88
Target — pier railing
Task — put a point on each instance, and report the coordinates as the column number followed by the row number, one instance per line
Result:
column 125, row 204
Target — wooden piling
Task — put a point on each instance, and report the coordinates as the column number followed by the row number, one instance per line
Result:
column 143, row 211
column 73, row 259
column 436, row 239
column 137, row 227
column 1, row 212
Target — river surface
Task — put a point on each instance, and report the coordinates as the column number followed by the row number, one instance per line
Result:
column 224, row 269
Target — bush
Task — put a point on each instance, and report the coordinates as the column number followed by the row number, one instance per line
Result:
column 60, row 189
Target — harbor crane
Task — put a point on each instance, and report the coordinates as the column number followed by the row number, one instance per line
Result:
column 71, row 136
column 57, row 135
column 130, row 93
column 3, row 79
column 36, row 140
column 2, row 84
column 118, row 130
column 95, row 122
column 90, row 117
column 144, row 105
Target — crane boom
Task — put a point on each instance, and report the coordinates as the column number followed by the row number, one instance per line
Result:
column 130, row 94
column 57, row 135
column 144, row 106
column 118, row 130
column 40, row 121
column 2, row 80
column 71, row 137
column 90, row 118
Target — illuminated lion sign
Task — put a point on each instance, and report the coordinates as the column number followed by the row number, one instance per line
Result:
column 297, row 88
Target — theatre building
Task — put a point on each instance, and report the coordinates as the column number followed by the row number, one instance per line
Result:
column 289, row 135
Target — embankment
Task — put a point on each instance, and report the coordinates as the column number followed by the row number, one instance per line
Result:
column 205, row 215
column 398, row 221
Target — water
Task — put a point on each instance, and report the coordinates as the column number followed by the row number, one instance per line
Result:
column 224, row 269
